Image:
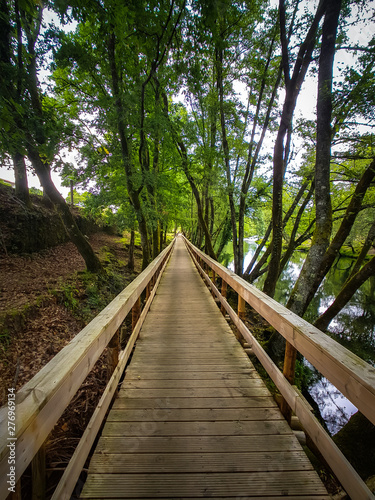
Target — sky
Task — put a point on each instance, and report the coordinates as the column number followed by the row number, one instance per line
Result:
column 305, row 106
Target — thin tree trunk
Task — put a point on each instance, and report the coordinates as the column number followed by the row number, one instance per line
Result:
column 253, row 158
column 308, row 291
column 365, row 249
column 346, row 293
column 20, row 174
column 134, row 194
column 230, row 186
column 131, row 251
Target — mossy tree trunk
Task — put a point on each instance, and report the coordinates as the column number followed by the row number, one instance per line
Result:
column 293, row 84
column 323, row 227
column 22, row 188
column 85, row 249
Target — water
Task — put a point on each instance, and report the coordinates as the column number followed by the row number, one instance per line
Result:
column 353, row 327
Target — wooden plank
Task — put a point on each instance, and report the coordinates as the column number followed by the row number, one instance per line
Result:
column 135, row 374
column 200, row 462
column 193, row 367
column 233, row 428
column 142, row 357
column 193, row 414
column 197, row 393
column 241, row 402
column 196, row 444
column 185, row 384
column 204, row 485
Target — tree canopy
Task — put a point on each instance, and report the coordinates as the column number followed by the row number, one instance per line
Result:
column 183, row 116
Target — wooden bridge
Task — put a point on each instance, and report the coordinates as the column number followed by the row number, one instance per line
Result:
column 191, row 417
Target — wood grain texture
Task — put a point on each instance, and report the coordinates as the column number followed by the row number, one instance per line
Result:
column 193, row 419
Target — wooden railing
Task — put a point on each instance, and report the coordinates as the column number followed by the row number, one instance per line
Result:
column 41, row 402
column 350, row 374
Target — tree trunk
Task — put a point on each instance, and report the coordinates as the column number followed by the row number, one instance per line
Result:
column 131, row 251
column 20, row 174
column 323, row 228
column 293, row 85
column 346, row 293
column 232, row 206
column 134, row 194
column 253, row 158
column 42, row 170
column 307, row 292
column 365, row 249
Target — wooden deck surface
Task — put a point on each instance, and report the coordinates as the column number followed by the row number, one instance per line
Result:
column 193, row 419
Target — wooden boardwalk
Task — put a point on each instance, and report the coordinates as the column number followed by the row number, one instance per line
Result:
column 193, row 419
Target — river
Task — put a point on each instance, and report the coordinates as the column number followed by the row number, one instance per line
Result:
column 353, row 327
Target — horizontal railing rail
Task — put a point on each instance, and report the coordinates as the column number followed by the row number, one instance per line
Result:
column 41, row 401
column 350, row 374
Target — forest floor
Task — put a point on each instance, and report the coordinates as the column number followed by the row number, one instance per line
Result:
column 46, row 298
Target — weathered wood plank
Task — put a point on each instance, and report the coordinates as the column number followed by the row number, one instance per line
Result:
column 204, row 485
column 197, row 444
column 186, row 403
column 144, row 374
column 185, row 384
column 221, row 392
column 200, row 462
column 192, row 414
column 234, row 428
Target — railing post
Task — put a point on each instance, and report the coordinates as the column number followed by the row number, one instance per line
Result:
column 224, row 287
column 289, row 373
column 136, row 312
column 113, row 353
column 38, row 473
column 241, row 311
column 148, row 290
column 214, row 283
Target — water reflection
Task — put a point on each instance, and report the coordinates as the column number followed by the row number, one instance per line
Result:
column 353, row 327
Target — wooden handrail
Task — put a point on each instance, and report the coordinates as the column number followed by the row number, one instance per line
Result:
column 359, row 377
column 42, row 400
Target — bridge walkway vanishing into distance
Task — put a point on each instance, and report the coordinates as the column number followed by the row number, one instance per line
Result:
column 193, row 418
column 184, row 413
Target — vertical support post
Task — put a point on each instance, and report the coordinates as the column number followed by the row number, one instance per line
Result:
column 113, row 353
column 214, row 282
column 224, row 287
column 38, row 473
column 241, row 311
column 136, row 312
column 148, row 290
column 289, row 373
